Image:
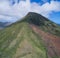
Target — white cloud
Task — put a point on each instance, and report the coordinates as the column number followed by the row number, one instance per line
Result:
column 13, row 12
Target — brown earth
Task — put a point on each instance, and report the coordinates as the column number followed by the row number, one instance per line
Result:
column 51, row 42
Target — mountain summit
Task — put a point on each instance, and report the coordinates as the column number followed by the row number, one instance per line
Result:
column 33, row 37
column 43, row 23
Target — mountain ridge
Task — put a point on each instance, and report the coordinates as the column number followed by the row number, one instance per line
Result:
column 42, row 22
column 32, row 37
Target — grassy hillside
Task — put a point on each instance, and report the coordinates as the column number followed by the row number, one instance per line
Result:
column 42, row 22
column 19, row 40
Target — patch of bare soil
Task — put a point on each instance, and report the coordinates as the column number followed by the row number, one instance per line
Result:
column 51, row 42
column 24, row 49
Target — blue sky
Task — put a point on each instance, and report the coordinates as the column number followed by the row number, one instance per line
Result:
column 12, row 10
column 55, row 16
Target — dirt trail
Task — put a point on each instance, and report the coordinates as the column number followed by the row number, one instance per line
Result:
column 52, row 42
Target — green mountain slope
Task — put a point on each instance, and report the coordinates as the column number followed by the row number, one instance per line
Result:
column 19, row 40
column 44, row 23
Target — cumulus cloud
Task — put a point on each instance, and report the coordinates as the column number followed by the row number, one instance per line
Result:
column 16, row 11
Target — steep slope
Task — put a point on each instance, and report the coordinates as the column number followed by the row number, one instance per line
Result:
column 19, row 41
column 52, row 42
column 44, row 23
column 32, row 37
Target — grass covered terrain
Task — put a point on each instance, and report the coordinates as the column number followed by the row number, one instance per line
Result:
column 44, row 23
column 18, row 40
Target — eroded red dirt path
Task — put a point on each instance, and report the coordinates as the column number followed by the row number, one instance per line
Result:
column 51, row 42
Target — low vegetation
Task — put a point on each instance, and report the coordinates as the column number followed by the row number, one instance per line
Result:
column 18, row 40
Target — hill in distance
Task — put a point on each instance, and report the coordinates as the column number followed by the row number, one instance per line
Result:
column 33, row 37
column 4, row 24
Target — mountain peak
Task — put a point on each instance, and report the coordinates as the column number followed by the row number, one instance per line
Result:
column 33, row 37
column 36, row 18
column 32, row 13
